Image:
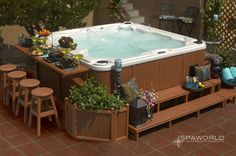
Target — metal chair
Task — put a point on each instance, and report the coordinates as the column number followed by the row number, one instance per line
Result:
column 189, row 20
column 167, row 12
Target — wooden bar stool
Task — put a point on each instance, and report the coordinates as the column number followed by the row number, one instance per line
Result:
column 26, row 86
column 40, row 109
column 4, row 69
column 14, row 79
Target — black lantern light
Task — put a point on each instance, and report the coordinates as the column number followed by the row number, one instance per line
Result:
column 137, row 112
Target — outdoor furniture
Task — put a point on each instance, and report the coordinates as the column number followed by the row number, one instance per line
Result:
column 188, row 20
column 14, row 79
column 41, row 108
column 26, row 86
column 4, row 69
column 167, row 12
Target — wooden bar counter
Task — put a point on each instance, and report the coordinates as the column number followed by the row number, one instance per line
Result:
column 52, row 76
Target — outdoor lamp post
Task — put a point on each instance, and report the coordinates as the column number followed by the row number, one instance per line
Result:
column 118, row 69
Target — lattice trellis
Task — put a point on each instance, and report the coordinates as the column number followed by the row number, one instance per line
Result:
column 227, row 28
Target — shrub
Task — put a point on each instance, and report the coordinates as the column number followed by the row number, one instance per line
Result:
column 92, row 96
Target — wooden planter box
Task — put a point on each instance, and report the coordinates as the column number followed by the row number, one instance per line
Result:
column 96, row 125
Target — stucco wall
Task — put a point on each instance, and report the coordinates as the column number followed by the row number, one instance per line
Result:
column 10, row 33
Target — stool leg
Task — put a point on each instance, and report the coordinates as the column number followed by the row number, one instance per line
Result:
column 31, row 112
column 26, row 104
column 7, row 97
column 55, row 110
column 38, row 116
column 18, row 102
column 13, row 96
column 4, row 87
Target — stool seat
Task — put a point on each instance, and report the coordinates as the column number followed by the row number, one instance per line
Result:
column 16, row 74
column 7, row 67
column 29, row 83
column 42, row 92
column 40, row 106
column 4, row 69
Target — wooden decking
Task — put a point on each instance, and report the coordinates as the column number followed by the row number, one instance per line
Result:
column 175, row 112
column 216, row 96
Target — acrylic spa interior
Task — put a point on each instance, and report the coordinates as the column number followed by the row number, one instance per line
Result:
column 154, row 57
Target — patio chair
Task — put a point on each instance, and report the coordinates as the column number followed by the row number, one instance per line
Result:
column 167, row 12
column 189, row 20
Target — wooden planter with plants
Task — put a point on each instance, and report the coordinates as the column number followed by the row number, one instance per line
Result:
column 92, row 114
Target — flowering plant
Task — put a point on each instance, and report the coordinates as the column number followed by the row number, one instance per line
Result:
column 149, row 97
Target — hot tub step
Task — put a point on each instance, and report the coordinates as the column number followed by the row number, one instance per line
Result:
column 176, row 112
column 133, row 13
column 124, row 1
column 128, row 6
column 138, row 19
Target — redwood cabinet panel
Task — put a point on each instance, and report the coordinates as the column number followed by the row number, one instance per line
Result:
column 170, row 72
column 159, row 74
column 146, row 74
column 192, row 59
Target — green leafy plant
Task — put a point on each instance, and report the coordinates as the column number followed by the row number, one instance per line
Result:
column 92, row 96
column 115, row 8
column 228, row 58
column 211, row 19
column 35, row 15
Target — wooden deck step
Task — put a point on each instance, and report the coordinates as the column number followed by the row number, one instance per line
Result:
column 216, row 84
column 175, row 112
column 227, row 94
column 171, row 93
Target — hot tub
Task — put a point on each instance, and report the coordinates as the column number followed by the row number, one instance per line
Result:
column 147, row 52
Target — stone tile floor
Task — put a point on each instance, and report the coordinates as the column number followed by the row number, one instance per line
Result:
column 18, row 139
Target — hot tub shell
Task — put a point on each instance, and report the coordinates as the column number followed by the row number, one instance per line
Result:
column 158, row 69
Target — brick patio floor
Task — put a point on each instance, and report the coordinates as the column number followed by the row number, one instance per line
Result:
column 17, row 139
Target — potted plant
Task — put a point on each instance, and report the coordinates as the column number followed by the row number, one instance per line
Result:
column 211, row 22
column 92, row 114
